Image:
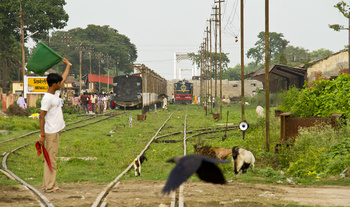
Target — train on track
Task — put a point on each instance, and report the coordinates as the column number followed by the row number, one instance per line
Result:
column 142, row 90
column 183, row 92
column 128, row 91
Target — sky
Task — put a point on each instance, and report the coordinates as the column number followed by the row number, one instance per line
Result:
column 161, row 28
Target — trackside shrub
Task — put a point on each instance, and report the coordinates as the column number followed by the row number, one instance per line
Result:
column 323, row 99
column 319, row 152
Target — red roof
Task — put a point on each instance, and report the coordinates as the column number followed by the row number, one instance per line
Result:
column 103, row 79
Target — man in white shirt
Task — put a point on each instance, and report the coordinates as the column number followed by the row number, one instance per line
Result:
column 51, row 123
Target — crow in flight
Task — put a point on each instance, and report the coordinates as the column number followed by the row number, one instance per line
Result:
column 205, row 168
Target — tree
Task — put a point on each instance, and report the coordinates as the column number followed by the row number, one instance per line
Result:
column 343, row 8
column 296, row 54
column 320, row 53
column 103, row 39
column 276, row 46
column 196, row 59
column 232, row 73
column 38, row 16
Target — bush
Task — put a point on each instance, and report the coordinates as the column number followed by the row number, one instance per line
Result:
column 38, row 103
column 325, row 98
column 33, row 110
column 311, row 156
column 15, row 110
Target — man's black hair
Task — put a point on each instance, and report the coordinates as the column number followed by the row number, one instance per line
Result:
column 53, row 78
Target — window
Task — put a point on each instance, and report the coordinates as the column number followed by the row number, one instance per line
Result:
column 253, row 84
column 235, row 85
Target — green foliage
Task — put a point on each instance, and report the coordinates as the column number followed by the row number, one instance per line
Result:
column 235, row 73
column 196, row 59
column 38, row 16
column 113, row 144
column 276, row 45
column 296, row 54
column 310, row 157
column 33, row 110
column 325, row 98
column 38, row 102
column 102, row 39
column 288, row 99
column 343, row 8
column 320, row 53
column 267, row 172
column 260, row 99
column 232, row 73
column 18, row 123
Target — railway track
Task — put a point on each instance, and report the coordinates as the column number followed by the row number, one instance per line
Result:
column 103, row 198
column 176, row 197
column 24, row 139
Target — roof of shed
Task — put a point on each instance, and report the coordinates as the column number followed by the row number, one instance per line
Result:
column 277, row 70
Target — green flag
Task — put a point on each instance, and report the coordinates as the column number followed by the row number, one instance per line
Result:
column 43, row 58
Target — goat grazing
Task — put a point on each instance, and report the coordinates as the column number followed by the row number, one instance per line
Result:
column 213, row 152
column 205, row 168
column 259, row 111
column 137, row 164
column 242, row 159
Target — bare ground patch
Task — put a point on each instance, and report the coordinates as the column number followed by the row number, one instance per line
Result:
column 197, row 194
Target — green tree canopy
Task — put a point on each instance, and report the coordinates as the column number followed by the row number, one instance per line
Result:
column 215, row 59
column 38, row 16
column 103, row 39
column 276, row 45
column 320, row 53
column 232, row 73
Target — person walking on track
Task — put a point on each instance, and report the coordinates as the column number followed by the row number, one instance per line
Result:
column 165, row 103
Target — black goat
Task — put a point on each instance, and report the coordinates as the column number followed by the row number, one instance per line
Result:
column 137, row 164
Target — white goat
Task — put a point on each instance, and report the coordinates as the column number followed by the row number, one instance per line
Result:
column 259, row 111
column 242, row 159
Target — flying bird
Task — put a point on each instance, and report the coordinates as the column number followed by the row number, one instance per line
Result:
column 205, row 168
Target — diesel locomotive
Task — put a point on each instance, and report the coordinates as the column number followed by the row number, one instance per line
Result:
column 127, row 91
column 142, row 90
column 183, row 92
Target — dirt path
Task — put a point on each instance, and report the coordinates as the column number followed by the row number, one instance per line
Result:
column 197, row 194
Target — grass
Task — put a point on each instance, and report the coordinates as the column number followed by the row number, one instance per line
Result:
column 115, row 145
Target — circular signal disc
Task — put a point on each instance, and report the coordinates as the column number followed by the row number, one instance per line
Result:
column 243, row 126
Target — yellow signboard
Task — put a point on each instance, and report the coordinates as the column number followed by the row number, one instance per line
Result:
column 37, row 85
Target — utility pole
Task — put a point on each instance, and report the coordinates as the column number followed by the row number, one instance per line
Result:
column 205, row 75
column 117, row 67
column 99, row 55
column 242, row 61
column 201, row 79
column 210, row 63
column 107, row 59
column 216, row 58
column 66, row 39
column 208, row 67
column 220, row 59
column 22, row 41
column 80, row 49
column 90, row 49
column 267, row 70
column 206, row 71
